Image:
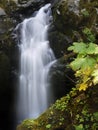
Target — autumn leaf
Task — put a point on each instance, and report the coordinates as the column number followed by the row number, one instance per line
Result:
column 83, row 87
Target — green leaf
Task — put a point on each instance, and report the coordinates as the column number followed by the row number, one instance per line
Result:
column 71, row 48
column 77, row 116
column 79, row 127
column 48, row 126
column 88, row 62
column 77, row 63
column 84, row 112
column 96, row 116
column 81, row 120
column 96, row 50
column 95, row 75
column 85, row 12
column 78, row 47
column 91, row 48
column 83, row 63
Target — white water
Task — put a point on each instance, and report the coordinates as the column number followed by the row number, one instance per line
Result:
column 36, row 60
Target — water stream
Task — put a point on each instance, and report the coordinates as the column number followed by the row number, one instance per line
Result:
column 34, row 94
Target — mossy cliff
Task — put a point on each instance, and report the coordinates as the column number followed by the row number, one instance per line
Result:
column 76, row 14
column 76, row 111
column 70, row 19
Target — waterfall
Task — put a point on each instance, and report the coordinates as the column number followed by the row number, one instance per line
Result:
column 34, row 93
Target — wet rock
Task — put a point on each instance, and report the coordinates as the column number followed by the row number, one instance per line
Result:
column 2, row 12
column 20, row 9
column 70, row 19
column 74, row 15
column 62, row 78
column 59, row 42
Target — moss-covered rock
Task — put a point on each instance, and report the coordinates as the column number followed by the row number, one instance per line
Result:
column 74, row 13
column 21, row 8
column 74, row 111
column 70, row 18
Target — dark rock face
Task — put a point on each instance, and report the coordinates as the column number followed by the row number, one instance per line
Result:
column 12, row 12
column 59, row 42
column 62, row 78
column 70, row 17
column 75, row 14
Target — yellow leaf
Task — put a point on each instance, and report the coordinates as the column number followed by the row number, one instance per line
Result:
column 95, row 80
column 83, row 87
column 87, row 71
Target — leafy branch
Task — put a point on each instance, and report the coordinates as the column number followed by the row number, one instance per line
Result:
column 85, row 64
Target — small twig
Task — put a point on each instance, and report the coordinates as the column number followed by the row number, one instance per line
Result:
column 66, row 56
column 70, row 79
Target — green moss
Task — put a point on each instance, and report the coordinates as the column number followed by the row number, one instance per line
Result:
column 48, row 126
column 28, row 124
column 72, row 18
column 85, row 13
column 71, row 112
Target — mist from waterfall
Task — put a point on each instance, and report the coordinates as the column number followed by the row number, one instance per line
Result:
column 36, row 59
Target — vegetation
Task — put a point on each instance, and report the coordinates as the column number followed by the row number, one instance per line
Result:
column 85, row 64
column 85, row 13
column 75, row 111
column 78, row 110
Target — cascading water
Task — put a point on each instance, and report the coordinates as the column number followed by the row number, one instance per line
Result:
column 36, row 60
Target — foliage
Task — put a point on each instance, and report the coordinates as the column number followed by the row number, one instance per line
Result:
column 79, row 127
column 85, row 13
column 62, row 104
column 77, row 113
column 85, row 120
column 48, row 126
column 28, row 123
column 85, row 64
column 96, row 116
column 89, row 35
